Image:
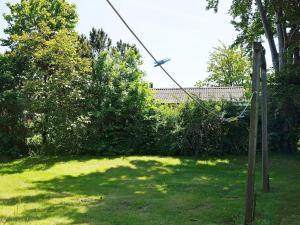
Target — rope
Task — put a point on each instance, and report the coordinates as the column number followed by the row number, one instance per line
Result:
column 195, row 98
column 155, row 60
column 242, row 114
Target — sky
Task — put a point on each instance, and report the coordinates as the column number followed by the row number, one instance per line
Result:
column 181, row 30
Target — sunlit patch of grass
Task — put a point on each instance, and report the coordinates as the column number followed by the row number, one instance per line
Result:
column 212, row 162
column 140, row 190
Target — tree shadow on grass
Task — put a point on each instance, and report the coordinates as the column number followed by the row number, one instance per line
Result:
column 35, row 163
column 147, row 190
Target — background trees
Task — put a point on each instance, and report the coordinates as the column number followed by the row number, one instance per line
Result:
column 279, row 22
column 30, row 16
column 279, row 19
column 78, row 93
column 62, row 92
column 12, row 129
column 119, row 98
column 42, row 39
column 228, row 66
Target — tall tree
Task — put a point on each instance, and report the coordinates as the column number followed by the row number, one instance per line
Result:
column 279, row 18
column 12, row 129
column 228, row 66
column 275, row 19
column 99, row 41
column 41, row 35
column 119, row 99
column 30, row 16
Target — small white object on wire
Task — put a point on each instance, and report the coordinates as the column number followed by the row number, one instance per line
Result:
column 161, row 62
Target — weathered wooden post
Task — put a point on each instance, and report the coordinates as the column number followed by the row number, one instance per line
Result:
column 264, row 125
column 250, row 193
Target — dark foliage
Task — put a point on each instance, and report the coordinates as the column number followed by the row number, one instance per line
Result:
column 12, row 129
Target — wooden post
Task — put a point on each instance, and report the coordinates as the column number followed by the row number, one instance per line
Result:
column 264, row 125
column 250, row 193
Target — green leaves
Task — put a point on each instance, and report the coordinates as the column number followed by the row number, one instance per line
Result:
column 32, row 15
column 120, row 99
column 274, row 19
column 228, row 66
column 212, row 4
column 12, row 129
column 54, row 76
column 65, row 93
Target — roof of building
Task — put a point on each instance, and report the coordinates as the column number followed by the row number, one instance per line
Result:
column 176, row 95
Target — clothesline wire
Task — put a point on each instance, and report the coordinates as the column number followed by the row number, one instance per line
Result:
column 195, row 98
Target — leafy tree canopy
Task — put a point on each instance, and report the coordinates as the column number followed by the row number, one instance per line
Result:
column 278, row 19
column 228, row 66
column 253, row 18
column 34, row 15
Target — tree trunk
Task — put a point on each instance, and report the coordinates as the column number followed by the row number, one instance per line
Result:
column 264, row 126
column 289, row 128
column 296, row 58
column 269, row 34
column 280, row 34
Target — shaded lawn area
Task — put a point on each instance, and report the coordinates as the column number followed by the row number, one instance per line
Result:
column 144, row 190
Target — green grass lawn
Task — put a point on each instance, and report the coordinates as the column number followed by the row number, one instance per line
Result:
column 144, row 191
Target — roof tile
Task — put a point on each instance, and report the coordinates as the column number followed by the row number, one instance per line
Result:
column 176, row 95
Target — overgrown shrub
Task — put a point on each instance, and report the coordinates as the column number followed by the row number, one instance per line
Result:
column 12, row 129
column 198, row 131
column 61, row 93
column 284, row 109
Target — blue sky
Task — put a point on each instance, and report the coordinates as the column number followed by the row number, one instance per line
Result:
column 181, row 30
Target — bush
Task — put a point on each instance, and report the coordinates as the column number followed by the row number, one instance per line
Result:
column 12, row 129
column 189, row 129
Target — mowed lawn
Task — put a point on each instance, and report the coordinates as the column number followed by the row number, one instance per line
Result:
column 144, row 191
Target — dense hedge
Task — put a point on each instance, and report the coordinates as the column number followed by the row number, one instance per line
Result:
column 110, row 111
column 65, row 93
column 187, row 129
column 192, row 130
column 101, row 105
